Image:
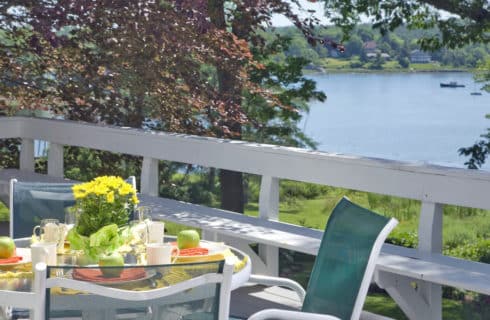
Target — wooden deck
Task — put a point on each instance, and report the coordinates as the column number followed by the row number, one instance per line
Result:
column 250, row 299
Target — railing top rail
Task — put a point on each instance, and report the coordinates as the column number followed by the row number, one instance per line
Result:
column 405, row 179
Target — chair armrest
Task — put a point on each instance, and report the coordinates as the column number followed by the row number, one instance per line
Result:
column 277, row 281
column 289, row 315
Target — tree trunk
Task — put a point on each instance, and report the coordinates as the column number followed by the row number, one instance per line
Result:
column 231, row 182
column 231, row 190
column 211, row 179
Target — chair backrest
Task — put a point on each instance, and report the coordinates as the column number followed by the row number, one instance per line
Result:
column 33, row 300
column 346, row 260
column 178, row 291
column 30, row 202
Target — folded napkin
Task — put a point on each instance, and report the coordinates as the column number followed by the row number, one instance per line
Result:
column 95, row 275
column 13, row 259
column 199, row 251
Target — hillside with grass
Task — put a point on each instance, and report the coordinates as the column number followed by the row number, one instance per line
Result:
column 366, row 50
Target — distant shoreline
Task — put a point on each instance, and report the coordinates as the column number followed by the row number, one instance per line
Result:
column 331, row 65
column 329, row 71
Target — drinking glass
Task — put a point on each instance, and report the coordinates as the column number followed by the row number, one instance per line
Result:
column 144, row 213
column 138, row 237
column 71, row 216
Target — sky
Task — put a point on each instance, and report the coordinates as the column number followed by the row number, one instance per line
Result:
column 281, row 21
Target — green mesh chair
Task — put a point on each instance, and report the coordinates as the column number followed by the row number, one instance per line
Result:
column 30, row 202
column 343, row 268
column 158, row 292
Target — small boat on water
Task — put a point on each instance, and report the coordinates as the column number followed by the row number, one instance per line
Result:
column 452, row 84
column 476, row 93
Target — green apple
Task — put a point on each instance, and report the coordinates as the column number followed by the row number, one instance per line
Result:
column 188, row 239
column 111, row 260
column 7, row 247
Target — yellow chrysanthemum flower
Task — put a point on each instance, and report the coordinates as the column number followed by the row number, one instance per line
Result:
column 110, row 197
column 135, row 199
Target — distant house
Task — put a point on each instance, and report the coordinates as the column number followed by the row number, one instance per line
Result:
column 370, row 47
column 419, row 56
column 385, row 56
column 372, row 55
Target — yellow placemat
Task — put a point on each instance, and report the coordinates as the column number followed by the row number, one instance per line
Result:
column 16, row 275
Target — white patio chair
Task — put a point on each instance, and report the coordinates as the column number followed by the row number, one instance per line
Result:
column 343, row 267
column 203, row 293
column 33, row 300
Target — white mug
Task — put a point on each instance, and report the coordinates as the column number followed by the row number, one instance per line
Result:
column 156, row 231
column 161, row 253
column 43, row 252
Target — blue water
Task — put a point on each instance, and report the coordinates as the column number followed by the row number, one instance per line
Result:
column 398, row 116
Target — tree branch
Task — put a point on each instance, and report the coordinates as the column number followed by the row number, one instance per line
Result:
column 473, row 10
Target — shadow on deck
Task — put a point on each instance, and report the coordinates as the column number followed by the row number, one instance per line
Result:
column 249, row 299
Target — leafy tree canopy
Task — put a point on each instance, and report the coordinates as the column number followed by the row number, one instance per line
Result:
column 460, row 22
column 120, row 62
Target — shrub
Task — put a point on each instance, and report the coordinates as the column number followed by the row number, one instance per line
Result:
column 404, row 239
column 301, row 190
column 356, row 64
column 475, row 251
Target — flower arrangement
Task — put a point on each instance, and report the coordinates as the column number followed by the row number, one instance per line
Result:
column 103, row 201
column 103, row 206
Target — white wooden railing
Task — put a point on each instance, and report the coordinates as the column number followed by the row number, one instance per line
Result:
column 434, row 186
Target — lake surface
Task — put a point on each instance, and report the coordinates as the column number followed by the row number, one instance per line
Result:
column 403, row 116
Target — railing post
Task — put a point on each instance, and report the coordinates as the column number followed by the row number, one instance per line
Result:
column 422, row 301
column 26, row 160
column 269, row 210
column 430, row 241
column 55, row 160
column 149, row 176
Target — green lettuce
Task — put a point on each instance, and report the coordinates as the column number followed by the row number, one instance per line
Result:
column 105, row 240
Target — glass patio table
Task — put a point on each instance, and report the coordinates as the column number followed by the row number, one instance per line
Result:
column 134, row 277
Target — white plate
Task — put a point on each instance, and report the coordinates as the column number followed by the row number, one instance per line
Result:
column 213, row 247
column 25, row 253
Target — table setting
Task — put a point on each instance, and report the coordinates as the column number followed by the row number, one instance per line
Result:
column 109, row 239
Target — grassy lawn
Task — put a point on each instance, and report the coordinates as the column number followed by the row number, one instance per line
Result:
column 451, row 310
column 346, row 65
column 458, row 227
column 335, row 64
column 431, row 67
